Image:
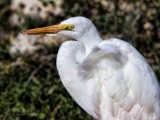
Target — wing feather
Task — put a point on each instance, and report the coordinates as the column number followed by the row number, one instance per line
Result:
column 136, row 88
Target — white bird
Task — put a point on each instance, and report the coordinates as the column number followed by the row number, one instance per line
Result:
column 109, row 78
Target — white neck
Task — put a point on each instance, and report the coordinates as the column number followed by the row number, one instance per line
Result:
column 90, row 39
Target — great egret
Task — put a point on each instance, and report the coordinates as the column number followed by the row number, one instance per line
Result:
column 109, row 79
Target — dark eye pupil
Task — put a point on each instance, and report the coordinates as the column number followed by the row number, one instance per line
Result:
column 72, row 27
column 69, row 27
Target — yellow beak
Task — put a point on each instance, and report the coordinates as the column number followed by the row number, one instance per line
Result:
column 49, row 29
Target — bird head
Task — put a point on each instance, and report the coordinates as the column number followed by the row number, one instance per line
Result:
column 76, row 28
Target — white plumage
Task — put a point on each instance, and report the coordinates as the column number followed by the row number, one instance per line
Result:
column 109, row 79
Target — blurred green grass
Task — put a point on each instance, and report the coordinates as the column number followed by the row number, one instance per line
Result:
column 29, row 84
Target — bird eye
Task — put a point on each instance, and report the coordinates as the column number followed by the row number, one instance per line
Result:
column 70, row 27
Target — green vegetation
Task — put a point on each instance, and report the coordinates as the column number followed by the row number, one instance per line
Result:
column 30, row 88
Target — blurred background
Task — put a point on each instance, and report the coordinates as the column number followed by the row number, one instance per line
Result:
column 30, row 88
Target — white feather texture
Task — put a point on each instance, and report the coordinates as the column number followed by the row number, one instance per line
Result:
column 109, row 79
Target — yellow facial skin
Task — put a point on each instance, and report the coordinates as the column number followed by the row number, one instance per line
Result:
column 49, row 29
